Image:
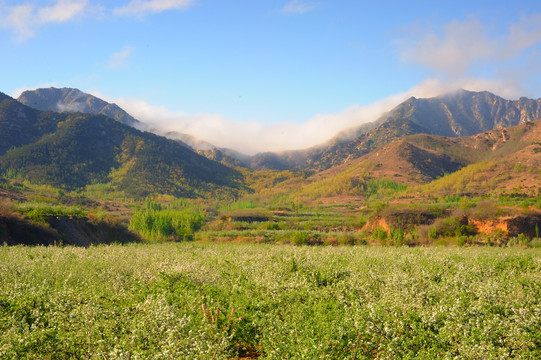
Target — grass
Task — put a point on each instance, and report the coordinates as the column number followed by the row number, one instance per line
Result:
column 37, row 211
column 219, row 301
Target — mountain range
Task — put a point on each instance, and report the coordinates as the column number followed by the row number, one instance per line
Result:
column 74, row 150
column 417, row 142
column 461, row 113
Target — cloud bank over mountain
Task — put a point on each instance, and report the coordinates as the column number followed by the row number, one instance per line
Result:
column 450, row 53
column 256, row 136
column 468, row 54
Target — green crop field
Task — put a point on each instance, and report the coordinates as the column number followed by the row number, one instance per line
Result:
column 220, row 301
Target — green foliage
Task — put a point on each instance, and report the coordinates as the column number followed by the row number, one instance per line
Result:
column 38, row 211
column 92, row 149
column 242, row 204
column 380, row 234
column 449, row 227
column 347, row 239
column 383, row 187
column 216, row 301
column 299, row 238
column 522, row 239
column 157, row 224
column 398, row 237
column 466, row 180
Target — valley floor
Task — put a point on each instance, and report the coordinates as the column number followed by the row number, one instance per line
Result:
column 220, row 301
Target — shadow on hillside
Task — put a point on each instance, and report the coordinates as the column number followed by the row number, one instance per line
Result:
column 59, row 230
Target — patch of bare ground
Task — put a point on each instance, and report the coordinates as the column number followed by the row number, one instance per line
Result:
column 11, row 195
column 510, row 225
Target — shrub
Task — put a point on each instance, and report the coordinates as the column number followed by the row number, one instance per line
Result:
column 523, row 239
column 449, row 227
column 160, row 225
column 346, row 239
column 361, row 241
column 398, row 237
column 535, row 243
column 380, row 234
column 272, row 226
column 299, row 238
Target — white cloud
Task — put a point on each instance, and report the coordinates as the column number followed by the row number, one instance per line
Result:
column 465, row 48
column 138, row 8
column 523, row 35
column 62, row 11
column 256, row 136
column 19, row 19
column 24, row 20
column 118, row 59
column 298, row 7
column 453, row 53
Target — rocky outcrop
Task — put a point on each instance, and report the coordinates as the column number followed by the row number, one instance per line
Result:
column 74, row 100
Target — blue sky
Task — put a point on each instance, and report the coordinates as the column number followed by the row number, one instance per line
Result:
column 269, row 75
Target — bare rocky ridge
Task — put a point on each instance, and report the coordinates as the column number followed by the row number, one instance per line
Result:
column 74, row 100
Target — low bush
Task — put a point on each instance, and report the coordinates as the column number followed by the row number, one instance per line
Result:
column 38, row 211
column 380, row 234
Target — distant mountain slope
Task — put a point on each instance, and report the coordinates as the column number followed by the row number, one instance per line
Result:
column 20, row 124
column 74, row 100
column 462, row 113
column 74, row 150
column 502, row 159
column 465, row 113
column 505, row 161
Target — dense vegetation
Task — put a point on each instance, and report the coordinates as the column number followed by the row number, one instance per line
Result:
column 86, row 180
column 76, row 150
column 156, row 223
column 185, row 301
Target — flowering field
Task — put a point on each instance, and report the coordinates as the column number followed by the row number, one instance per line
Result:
column 223, row 301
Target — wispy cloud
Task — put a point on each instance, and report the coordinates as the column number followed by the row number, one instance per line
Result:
column 139, row 8
column 24, row 20
column 119, row 59
column 298, row 7
column 463, row 48
column 257, row 136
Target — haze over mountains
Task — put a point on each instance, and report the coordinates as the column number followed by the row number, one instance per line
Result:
column 461, row 113
column 417, row 142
